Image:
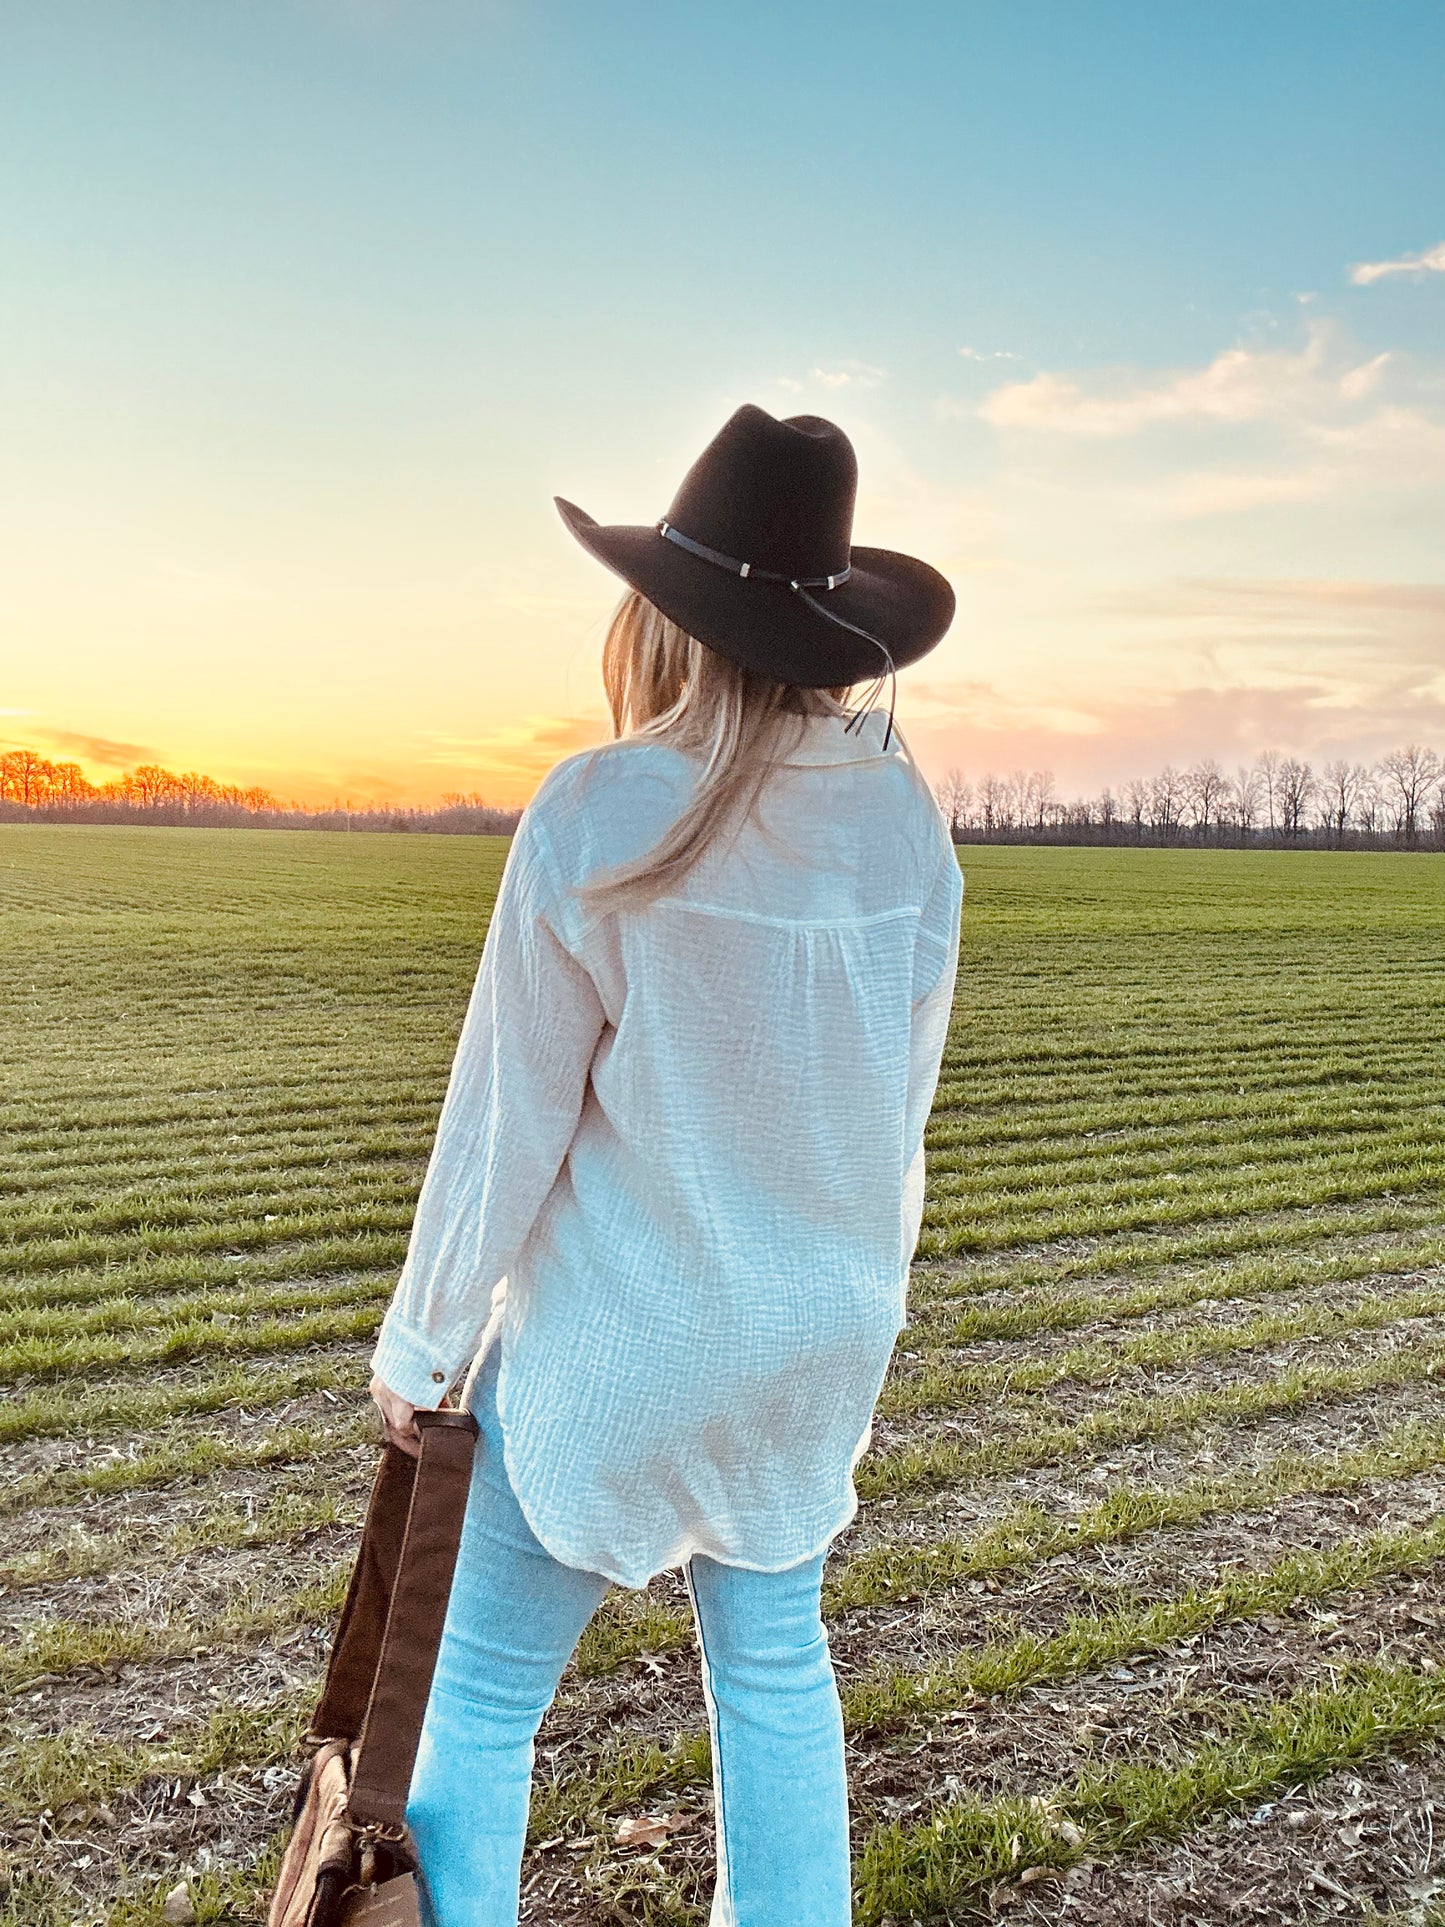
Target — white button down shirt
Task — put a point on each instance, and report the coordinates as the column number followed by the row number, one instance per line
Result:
column 679, row 1170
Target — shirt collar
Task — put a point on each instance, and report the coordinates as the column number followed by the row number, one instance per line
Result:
column 825, row 739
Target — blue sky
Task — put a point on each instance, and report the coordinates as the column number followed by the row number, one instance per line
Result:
column 311, row 308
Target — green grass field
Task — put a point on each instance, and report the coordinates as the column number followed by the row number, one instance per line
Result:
column 1144, row 1613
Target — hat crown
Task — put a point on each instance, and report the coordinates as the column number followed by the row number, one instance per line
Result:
column 778, row 495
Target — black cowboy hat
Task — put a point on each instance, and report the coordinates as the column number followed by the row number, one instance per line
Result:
column 755, row 559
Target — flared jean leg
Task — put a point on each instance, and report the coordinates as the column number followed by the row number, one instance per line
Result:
column 779, row 1769
column 514, row 1618
column 513, row 1621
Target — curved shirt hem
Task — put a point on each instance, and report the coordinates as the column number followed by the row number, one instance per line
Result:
column 676, row 1558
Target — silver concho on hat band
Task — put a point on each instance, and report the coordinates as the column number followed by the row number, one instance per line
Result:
column 800, row 585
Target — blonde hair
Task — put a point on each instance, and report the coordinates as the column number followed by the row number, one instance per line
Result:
column 663, row 685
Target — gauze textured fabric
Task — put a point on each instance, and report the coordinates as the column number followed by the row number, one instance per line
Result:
column 680, row 1160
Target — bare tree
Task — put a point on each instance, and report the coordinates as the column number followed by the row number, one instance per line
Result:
column 1369, row 805
column 1294, row 786
column 1409, row 776
column 954, row 793
column 1340, row 791
column 1018, row 798
column 197, row 792
column 69, row 785
column 993, row 797
column 1205, row 788
column 1166, row 801
column 150, row 785
column 24, row 777
column 1248, row 798
column 1077, row 819
column 1040, row 797
column 1268, row 767
column 1136, row 801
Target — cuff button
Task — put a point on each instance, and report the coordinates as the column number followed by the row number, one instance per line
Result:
column 438, row 1378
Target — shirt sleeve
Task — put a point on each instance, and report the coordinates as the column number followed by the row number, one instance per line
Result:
column 935, row 976
column 512, row 1105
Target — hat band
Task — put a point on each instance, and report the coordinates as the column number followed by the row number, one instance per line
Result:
column 750, row 569
column 801, row 584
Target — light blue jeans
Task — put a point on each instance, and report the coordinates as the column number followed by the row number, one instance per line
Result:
column 515, row 1615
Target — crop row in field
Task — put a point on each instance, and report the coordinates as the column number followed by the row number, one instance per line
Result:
column 1169, row 1405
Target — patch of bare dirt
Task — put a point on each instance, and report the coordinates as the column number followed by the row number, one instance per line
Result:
column 1356, row 1847
column 1039, row 1599
column 196, row 1588
column 163, row 1701
column 1210, row 1450
column 1151, row 1708
column 133, row 1535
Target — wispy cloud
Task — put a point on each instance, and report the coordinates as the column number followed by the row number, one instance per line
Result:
column 838, row 374
column 1429, row 261
column 359, row 787
column 998, row 712
column 503, row 765
column 989, row 354
column 1201, row 666
column 1135, row 733
column 850, row 374
column 101, row 750
column 1382, row 452
column 1241, row 384
column 1356, row 383
column 1258, row 426
column 1371, row 652
column 520, row 752
column 1398, row 622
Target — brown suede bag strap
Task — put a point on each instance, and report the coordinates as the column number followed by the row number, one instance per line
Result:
column 356, row 1646
column 391, row 1731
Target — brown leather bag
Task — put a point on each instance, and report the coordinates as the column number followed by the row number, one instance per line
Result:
column 350, row 1859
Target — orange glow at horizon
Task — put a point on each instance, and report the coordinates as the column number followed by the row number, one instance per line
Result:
column 1130, row 592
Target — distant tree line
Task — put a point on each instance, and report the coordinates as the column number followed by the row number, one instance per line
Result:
column 1277, row 801
column 33, row 789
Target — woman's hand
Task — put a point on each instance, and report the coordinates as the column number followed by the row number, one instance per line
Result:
column 398, row 1419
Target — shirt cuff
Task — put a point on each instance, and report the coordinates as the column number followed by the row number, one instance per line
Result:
column 411, row 1365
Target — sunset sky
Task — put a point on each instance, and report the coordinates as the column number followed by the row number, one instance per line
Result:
column 1135, row 313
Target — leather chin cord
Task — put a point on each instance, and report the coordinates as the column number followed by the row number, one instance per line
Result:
column 800, row 585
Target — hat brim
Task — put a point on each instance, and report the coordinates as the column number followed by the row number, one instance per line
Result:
column 768, row 627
